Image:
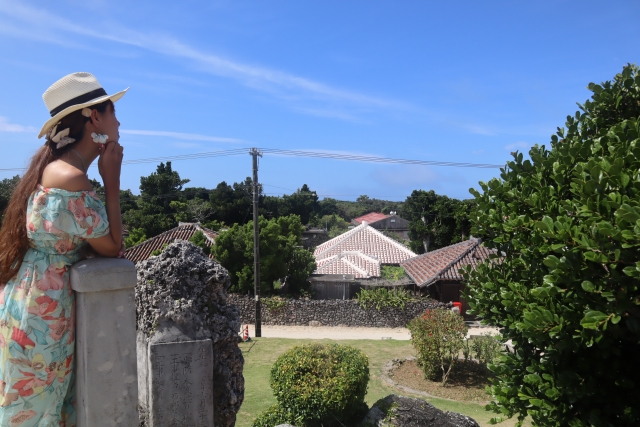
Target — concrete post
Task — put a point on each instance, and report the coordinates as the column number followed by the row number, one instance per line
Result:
column 106, row 377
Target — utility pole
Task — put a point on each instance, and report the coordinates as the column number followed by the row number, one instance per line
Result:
column 256, row 240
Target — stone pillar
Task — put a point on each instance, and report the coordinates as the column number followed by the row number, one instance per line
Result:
column 106, row 377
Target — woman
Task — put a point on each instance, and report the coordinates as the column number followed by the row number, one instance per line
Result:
column 63, row 215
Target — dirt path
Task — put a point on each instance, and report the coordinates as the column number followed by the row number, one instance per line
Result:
column 343, row 333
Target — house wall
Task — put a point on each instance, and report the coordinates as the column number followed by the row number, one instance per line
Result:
column 334, row 290
column 451, row 291
column 334, row 312
column 393, row 224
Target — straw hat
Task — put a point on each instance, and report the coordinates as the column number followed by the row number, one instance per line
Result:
column 71, row 93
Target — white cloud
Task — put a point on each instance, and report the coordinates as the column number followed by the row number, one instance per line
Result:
column 303, row 93
column 180, row 135
column 5, row 126
column 518, row 146
column 187, row 145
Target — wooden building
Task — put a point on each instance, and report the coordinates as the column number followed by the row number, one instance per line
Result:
column 386, row 223
column 312, row 237
column 437, row 272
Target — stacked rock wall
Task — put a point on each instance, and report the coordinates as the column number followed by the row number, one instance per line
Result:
column 331, row 312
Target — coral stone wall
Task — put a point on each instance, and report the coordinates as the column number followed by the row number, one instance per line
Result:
column 182, row 295
column 332, row 312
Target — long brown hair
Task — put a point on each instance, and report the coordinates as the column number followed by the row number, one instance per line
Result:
column 14, row 243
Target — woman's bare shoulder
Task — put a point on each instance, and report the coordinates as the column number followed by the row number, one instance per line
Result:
column 59, row 174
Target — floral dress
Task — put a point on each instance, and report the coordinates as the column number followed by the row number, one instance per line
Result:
column 37, row 310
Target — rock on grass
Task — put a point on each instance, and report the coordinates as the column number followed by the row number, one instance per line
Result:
column 399, row 411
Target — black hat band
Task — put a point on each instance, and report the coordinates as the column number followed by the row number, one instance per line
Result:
column 79, row 100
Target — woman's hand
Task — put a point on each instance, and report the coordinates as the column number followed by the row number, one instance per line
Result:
column 110, row 163
column 122, row 249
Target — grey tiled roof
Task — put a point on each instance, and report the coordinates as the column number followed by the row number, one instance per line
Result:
column 444, row 263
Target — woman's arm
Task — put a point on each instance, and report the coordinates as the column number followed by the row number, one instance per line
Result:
column 109, row 165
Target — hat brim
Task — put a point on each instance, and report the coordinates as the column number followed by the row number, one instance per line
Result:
column 55, row 119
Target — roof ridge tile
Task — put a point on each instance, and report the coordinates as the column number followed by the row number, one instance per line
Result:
column 343, row 238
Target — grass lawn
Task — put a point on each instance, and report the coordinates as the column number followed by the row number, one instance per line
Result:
column 261, row 353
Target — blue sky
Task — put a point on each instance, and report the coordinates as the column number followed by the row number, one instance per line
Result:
column 452, row 81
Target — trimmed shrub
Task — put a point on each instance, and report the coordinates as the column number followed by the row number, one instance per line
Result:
column 321, row 384
column 438, row 337
column 274, row 416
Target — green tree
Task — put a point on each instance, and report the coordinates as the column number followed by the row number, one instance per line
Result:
column 128, row 201
column 7, row 186
column 364, row 205
column 334, row 224
column 214, row 225
column 232, row 204
column 279, row 238
column 200, row 241
column 567, row 289
column 463, row 213
column 328, row 206
column 155, row 214
column 193, row 210
column 435, row 221
column 303, row 203
column 135, row 237
column 301, row 265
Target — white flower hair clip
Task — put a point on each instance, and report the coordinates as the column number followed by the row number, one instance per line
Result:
column 61, row 138
column 99, row 138
column 86, row 112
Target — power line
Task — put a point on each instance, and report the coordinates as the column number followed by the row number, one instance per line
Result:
column 374, row 159
column 299, row 153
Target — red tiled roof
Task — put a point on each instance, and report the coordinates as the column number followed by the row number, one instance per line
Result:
column 444, row 263
column 362, row 246
column 184, row 231
column 356, row 263
column 370, row 218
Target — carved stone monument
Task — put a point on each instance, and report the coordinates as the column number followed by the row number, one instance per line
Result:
column 183, row 315
column 181, row 388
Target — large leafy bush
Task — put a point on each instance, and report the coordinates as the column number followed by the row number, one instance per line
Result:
column 318, row 385
column 438, row 336
column 567, row 291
